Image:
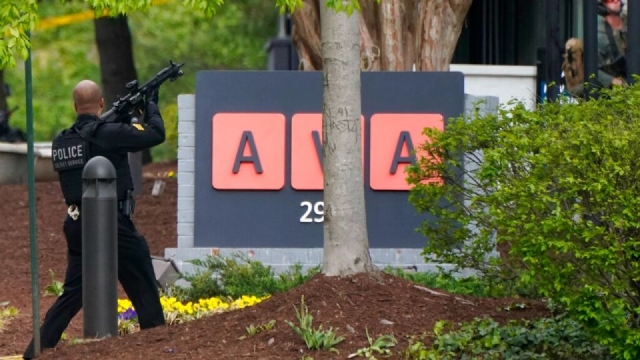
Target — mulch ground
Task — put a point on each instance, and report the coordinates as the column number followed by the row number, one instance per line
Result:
column 382, row 305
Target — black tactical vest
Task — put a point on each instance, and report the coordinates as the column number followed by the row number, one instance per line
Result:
column 70, row 152
column 73, row 148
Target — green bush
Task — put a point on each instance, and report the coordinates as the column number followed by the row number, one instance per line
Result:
column 557, row 191
column 558, row 339
column 7, row 313
column 315, row 338
column 471, row 285
column 168, row 149
column 238, row 275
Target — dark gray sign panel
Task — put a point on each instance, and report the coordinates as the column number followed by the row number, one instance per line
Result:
column 257, row 166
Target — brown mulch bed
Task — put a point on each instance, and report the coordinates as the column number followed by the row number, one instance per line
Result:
column 382, row 305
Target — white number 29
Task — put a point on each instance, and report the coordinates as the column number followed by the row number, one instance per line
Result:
column 317, row 208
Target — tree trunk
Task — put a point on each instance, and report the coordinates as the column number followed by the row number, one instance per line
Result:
column 392, row 44
column 395, row 35
column 346, row 244
column 307, row 32
column 4, row 112
column 117, row 68
column 8, row 133
column 3, row 94
column 437, row 32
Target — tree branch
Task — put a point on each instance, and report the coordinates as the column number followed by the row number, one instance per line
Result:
column 391, row 44
column 306, row 21
column 438, row 30
column 369, row 52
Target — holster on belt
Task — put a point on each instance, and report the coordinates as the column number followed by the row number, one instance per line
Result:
column 127, row 206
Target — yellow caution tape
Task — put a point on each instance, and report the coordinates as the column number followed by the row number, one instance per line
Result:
column 54, row 22
column 62, row 20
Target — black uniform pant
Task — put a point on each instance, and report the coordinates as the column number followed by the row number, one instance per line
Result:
column 135, row 273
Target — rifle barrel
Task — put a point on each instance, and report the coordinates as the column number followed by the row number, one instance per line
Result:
column 108, row 114
column 171, row 73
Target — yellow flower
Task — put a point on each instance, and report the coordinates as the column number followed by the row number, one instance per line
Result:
column 178, row 312
column 124, row 305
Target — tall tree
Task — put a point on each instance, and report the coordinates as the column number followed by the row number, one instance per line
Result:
column 395, row 35
column 117, row 67
column 346, row 244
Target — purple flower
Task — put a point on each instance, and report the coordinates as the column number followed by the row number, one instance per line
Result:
column 130, row 314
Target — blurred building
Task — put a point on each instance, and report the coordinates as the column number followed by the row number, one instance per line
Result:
column 518, row 41
column 508, row 32
column 521, row 40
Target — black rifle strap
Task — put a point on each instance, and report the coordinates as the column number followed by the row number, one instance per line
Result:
column 88, row 137
column 613, row 44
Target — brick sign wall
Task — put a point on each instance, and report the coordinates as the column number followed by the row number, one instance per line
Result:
column 258, row 175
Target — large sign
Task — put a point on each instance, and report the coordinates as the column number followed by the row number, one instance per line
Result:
column 259, row 145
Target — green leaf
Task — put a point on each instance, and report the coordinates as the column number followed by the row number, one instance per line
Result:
column 558, row 187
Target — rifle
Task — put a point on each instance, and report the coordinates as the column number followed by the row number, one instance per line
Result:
column 134, row 100
column 616, row 68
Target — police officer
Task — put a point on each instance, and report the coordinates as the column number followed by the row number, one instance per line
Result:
column 72, row 148
column 612, row 43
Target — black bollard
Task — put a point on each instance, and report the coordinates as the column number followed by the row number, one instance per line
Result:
column 99, row 249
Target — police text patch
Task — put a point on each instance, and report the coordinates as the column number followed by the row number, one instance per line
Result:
column 68, row 152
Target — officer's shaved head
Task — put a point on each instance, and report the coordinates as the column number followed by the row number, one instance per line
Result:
column 87, row 98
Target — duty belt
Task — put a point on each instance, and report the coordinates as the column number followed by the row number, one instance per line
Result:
column 125, row 207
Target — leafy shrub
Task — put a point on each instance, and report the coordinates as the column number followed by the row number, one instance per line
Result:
column 315, row 338
column 556, row 192
column 256, row 329
column 294, row 276
column 55, row 288
column 237, row 275
column 559, row 339
column 381, row 346
column 168, row 149
column 7, row 313
column 471, row 285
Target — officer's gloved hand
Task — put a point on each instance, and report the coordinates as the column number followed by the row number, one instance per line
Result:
column 151, row 101
column 123, row 118
column 152, row 96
